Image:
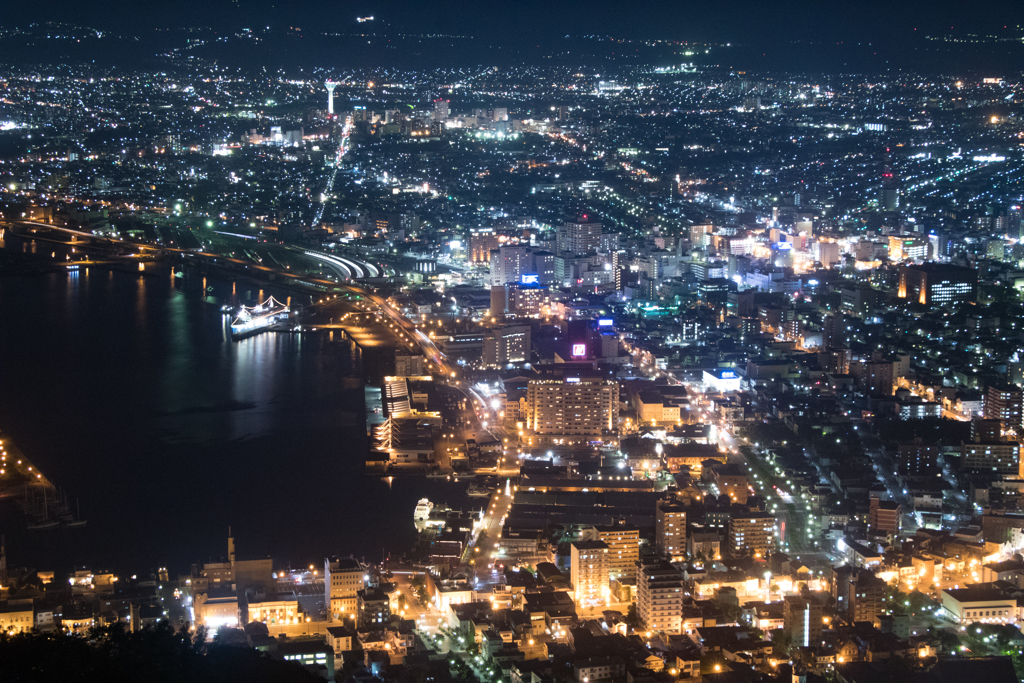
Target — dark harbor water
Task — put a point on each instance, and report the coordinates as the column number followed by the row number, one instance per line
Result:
column 126, row 391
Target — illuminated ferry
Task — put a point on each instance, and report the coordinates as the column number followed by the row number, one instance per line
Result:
column 423, row 509
column 255, row 319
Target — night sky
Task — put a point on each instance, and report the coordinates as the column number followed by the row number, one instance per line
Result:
column 758, row 21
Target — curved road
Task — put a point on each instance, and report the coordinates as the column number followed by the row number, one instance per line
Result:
column 430, row 350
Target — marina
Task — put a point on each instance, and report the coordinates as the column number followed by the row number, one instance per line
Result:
column 44, row 505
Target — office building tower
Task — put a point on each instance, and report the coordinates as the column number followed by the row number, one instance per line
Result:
column 440, row 109
column 544, row 266
column 589, row 572
column 525, row 300
column 343, row 579
column 938, row 284
column 827, row 253
column 506, row 345
column 510, row 263
column 481, row 243
column 581, row 237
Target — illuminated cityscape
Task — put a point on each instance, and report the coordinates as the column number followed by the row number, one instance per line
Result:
column 657, row 352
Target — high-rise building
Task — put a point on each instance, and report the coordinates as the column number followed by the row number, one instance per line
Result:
column 802, row 618
column 866, row 596
column 877, row 377
column 884, row 516
column 1014, row 224
column 751, row 533
column 481, row 243
column 835, row 361
column 999, row 457
column 1004, row 402
column 730, row 480
column 343, row 579
column 938, row 284
column 526, row 300
column 986, row 430
column 833, row 332
column 440, row 109
column 506, row 345
column 827, row 253
column 544, row 266
column 572, row 410
column 623, row 550
column 581, row 237
column 498, row 301
column 890, row 199
column 373, row 608
column 509, row 263
column 330, row 96
column 659, row 597
column 698, row 233
column 917, row 460
column 670, row 530
column 589, row 572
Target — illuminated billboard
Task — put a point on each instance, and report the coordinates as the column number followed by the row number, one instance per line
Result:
column 605, row 322
column 531, row 279
column 579, row 350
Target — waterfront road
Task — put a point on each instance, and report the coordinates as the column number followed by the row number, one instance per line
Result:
column 408, row 329
column 483, row 550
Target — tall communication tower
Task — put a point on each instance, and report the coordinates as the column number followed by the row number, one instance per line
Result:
column 330, row 85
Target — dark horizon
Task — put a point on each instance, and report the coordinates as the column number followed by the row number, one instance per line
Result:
column 737, row 20
column 869, row 37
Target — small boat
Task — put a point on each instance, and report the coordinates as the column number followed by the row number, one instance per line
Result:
column 77, row 520
column 478, row 491
column 44, row 524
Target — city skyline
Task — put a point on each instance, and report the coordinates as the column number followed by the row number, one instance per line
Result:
column 540, row 344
